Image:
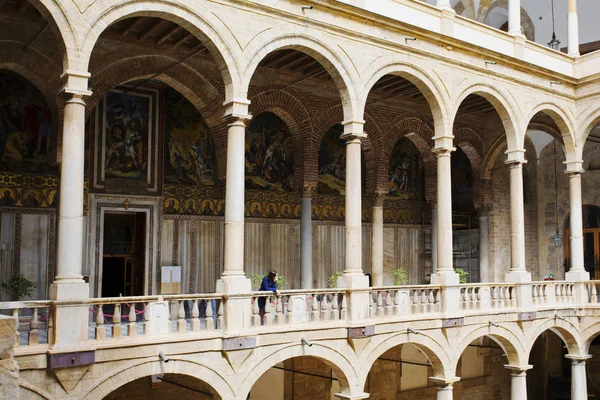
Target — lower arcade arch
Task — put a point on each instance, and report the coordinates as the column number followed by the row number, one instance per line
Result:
column 154, row 379
column 298, row 373
column 553, row 349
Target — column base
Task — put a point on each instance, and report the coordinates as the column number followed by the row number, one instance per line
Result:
column 234, row 284
column 517, row 277
column 577, row 276
column 354, row 281
column 449, row 278
column 69, row 289
column 357, row 396
column 70, row 321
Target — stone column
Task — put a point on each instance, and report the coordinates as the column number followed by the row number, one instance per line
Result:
column 434, row 239
column 353, row 277
column 484, row 246
column 514, row 17
column 573, row 28
column 517, row 273
column 306, row 277
column 444, row 387
column 518, row 381
column 578, row 377
column 577, row 271
column 445, row 274
column 377, row 240
column 237, row 312
column 70, row 322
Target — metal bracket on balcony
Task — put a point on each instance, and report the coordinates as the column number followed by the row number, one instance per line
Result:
column 453, row 322
column 361, row 332
column 237, row 349
column 77, row 359
column 239, row 343
column 527, row 316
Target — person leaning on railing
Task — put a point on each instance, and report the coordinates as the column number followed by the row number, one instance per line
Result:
column 269, row 284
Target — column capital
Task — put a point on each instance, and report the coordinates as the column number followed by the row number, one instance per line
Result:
column 577, row 358
column 518, row 369
column 307, row 191
column 574, row 167
column 444, row 382
column 516, row 156
column 75, row 83
column 237, row 109
column 378, row 199
column 353, row 128
column 443, row 141
column 443, row 151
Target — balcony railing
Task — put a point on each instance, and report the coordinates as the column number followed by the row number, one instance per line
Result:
column 204, row 315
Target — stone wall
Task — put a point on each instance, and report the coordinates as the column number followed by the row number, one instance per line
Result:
column 9, row 370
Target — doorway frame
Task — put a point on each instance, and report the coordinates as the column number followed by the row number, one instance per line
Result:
column 98, row 206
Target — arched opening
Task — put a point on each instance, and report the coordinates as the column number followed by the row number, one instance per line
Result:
column 153, row 136
column 165, row 386
column 482, row 369
column 405, row 169
column 402, row 372
column 298, row 378
column 550, row 377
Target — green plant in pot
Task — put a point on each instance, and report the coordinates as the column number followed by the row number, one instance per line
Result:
column 18, row 287
column 256, row 280
column 332, row 281
column 462, row 275
column 400, row 277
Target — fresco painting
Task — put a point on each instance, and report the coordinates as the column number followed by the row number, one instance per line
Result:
column 269, row 154
column 332, row 163
column 406, row 174
column 126, row 137
column 189, row 151
column 25, row 127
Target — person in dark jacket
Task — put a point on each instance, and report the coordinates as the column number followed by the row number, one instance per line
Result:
column 269, row 284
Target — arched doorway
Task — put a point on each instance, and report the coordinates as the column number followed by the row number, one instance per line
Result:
column 591, row 241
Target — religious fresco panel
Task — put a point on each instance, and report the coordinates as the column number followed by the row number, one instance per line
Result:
column 126, row 141
column 269, row 155
column 189, row 150
column 406, row 173
column 25, row 127
column 332, row 163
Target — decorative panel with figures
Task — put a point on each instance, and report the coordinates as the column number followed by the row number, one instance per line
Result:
column 126, row 142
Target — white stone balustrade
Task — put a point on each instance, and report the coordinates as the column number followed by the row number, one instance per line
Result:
column 126, row 318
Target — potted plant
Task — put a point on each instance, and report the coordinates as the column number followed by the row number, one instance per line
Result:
column 400, row 277
column 332, row 281
column 18, row 287
column 462, row 275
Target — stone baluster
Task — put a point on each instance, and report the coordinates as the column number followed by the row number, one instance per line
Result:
column 290, row 307
column 335, row 309
column 220, row 320
column 344, row 308
column 268, row 318
column 372, row 305
column 15, row 315
column 397, row 308
column 315, row 308
column 147, row 318
column 210, row 320
column 132, row 319
column 100, row 332
column 279, row 317
column 379, row 304
column 255, row 313
column 196, row 325
column 116, row 325
column 181, row 324
column 593, row 294
column 325, row 307
column 34, row 335
column 389, row 303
